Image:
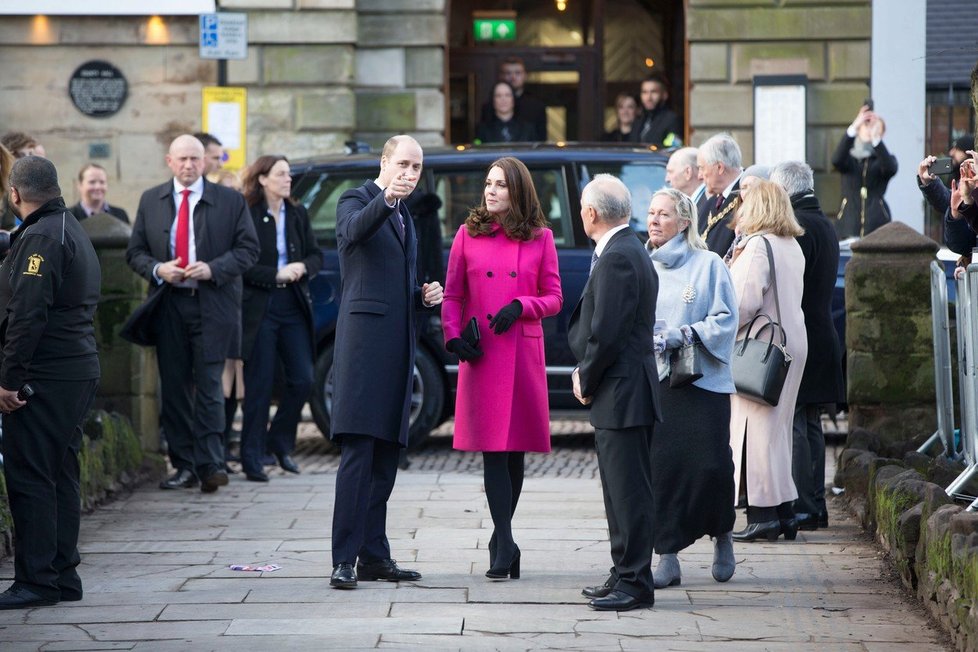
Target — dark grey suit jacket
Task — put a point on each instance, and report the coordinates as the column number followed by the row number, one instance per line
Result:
column 611, row 336
column 225, row 240
column 373, row 359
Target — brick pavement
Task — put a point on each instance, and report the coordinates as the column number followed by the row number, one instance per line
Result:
column 155, row 567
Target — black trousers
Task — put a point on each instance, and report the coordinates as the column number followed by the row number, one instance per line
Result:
column 283, row 334
column 192, row 413
column 623, row 462
column 40, row 448
column 364, row 481
column 808, row 459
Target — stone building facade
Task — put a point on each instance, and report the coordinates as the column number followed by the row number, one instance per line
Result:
column 321, row 72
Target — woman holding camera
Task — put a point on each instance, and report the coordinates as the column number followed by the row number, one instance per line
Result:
column 502, row 273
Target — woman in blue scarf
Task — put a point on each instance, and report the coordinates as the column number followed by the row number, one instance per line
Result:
column 692, row 466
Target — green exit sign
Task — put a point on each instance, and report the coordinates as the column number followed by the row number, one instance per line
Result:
column 494, row 29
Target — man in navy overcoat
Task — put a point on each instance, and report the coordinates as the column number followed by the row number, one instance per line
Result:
column 374, row 360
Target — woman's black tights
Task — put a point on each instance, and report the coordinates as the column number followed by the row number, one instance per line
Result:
column 504, row 482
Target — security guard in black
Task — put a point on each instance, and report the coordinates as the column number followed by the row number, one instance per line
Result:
column 49, row 290
column 50, row 278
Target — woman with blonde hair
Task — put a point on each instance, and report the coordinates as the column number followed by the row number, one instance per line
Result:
column 692, row 472
column 768, row 275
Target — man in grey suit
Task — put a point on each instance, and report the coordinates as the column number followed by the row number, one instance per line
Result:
column 373, row 362
column 192, row 240
column 610, row 334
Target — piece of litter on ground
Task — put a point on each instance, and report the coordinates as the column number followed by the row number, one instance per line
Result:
column 267, row 568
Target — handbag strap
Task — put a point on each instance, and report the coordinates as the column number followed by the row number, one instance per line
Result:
column 774, row 279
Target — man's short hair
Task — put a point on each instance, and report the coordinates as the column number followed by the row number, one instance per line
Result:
column 794, row 176
column 722, row 148
column 36, row 179
column 207, row 139
column 512, row 60
column 610, row 198
column 686, row 157
column 658, row 78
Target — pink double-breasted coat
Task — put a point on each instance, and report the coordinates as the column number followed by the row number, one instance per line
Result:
column 502, row 403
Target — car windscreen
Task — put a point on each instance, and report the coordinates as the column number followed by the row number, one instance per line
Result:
column 643, row 178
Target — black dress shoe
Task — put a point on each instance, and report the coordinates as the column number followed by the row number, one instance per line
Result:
column 17, row 597
column 288, row 464
column 387, row 570
column 211, row 483
column 343, row 577
column 807, row 522
column 257, row 476
column 768, row 530
column 183, row 479
column 620, row 601
column 823, row 518
column 599, row 591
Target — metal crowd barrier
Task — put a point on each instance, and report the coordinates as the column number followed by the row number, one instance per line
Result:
column 940, row 325
column 967, row 326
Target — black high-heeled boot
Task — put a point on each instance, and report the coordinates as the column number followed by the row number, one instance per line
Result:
column 501, row 571
column 787, row 520
column 767, row 530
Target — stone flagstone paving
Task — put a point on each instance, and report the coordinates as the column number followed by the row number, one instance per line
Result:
column 155, row 568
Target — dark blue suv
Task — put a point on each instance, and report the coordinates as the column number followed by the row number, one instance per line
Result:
column 451, row 184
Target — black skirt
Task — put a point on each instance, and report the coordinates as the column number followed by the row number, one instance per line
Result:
column 692, row 468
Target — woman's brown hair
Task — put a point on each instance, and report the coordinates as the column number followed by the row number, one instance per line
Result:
column 525, row 215
column 253, row 192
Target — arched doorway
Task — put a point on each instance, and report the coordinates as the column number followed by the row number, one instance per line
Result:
column 579, row 54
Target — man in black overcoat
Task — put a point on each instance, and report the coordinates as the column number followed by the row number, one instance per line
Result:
column 193, row 312
column 373, row 360
column 822, row 381
column 720, row 165
column 610, row 334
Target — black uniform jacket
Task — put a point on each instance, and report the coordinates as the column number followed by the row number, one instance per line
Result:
column 718, row 235
column 259, row 281
column 611, row 332
column 49, row 288
column 225, row 240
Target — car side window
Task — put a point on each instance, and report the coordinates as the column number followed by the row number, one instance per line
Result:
column 320, row 193
column 461, row 189
column 642, row 179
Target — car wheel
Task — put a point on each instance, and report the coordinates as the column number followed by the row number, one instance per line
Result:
column 427, row 395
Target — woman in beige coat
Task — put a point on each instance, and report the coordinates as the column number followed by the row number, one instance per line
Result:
column 760, row 435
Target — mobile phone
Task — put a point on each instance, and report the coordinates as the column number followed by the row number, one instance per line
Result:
column 25, row 392
column 942, row 166
column 868, row 103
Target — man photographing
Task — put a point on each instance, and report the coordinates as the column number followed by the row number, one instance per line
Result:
column 49, row 289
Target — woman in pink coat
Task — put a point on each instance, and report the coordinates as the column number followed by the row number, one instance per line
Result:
column 502, row 271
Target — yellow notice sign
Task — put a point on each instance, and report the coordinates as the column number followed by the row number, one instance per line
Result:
column 225, row 116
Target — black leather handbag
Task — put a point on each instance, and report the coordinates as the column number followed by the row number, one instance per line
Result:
column 760, row 367
column 684, row 365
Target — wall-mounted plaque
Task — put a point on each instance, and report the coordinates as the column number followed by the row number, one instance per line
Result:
column 98, row 89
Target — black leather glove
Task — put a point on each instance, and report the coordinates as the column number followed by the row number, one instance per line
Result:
column 465, row 351
column 506, row 317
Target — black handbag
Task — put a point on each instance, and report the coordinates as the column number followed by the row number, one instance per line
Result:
column 760, row 367
column 685, row 366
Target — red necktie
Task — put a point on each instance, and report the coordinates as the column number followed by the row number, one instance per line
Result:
column 183, row 229
column 719, row 204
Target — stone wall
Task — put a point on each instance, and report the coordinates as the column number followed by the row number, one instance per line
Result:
column 889, row 339
column 730, row 41
column 318, row 73
column 933, row 543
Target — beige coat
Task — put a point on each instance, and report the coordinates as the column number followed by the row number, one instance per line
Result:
column 766, row 429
